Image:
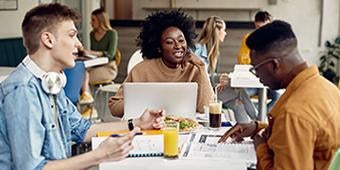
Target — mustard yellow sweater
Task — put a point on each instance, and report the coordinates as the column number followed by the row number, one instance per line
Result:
column 243, row 56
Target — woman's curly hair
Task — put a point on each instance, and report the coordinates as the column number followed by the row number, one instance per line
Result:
column 149, row 38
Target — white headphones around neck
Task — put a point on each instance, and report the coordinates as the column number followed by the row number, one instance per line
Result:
column 51, row 82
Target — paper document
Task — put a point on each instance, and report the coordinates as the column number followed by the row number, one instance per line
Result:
column 143, row 145
column 242, row 77
column 204, row 145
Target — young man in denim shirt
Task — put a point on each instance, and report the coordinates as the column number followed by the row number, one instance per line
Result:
column 38, row 122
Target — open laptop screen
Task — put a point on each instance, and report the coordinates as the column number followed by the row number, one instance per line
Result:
column 176, row 98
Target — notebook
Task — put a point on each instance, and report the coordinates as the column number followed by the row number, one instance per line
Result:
column 143, row 145
column 205, row 145
column 176, row 98
column 96, row 62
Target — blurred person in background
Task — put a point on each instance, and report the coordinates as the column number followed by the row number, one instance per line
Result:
column 104, row 42
column 208, row 50
column 261, row 18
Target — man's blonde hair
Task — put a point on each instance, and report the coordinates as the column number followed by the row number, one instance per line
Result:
column 45, row 17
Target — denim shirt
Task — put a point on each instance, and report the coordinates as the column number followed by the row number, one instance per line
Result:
column 202, row 53
column 30, row 133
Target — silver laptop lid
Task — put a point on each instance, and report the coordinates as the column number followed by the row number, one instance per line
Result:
column 176, row 98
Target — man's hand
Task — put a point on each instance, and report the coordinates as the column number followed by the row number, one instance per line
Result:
column 191, row 58
column 261, row 137
column 151, row 119
column 116, row 148
column 239, row 131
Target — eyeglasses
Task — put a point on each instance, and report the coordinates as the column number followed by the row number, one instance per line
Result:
column 253, row 69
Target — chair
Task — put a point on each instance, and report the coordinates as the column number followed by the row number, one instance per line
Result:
column 109, row 87
column 106, row 87
column 108, row 81
column 75, row 78
column 134, row 59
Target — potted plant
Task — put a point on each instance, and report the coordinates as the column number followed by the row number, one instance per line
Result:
column 329, row 61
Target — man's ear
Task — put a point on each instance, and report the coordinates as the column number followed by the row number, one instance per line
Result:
column 276, row 64
column 47, row 39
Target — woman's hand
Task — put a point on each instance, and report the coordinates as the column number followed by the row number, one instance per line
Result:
column 191, row 58
column 93, row 53
column 151, row 119
column 223, row 80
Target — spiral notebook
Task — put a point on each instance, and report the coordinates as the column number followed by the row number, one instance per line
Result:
column 143, row 145
column 205, row 145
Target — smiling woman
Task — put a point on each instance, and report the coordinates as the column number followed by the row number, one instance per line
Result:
column 174, row 47
column 165, row 40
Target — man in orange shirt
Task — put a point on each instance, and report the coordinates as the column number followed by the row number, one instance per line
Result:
column 303, row 130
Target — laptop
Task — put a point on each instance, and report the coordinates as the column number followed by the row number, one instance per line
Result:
column 176, row 98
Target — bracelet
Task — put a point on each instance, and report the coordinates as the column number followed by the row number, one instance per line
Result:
column 130, row 124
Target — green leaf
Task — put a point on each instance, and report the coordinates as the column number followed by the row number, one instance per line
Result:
column 336, row 56
column 322, row 66
column 337, row 40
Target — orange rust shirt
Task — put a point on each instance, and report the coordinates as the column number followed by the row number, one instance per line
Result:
column 305, row 129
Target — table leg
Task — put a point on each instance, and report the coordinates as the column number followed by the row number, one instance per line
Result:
column 262, row 116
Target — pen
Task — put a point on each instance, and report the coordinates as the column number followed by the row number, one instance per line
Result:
column 120, row 135
column 226, row 124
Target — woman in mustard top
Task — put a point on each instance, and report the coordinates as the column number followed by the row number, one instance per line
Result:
column 261, row 18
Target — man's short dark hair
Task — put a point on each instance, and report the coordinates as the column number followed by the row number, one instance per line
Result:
column 262, row 16
column 271, row 36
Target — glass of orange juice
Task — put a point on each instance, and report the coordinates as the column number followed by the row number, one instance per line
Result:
column 170, row 133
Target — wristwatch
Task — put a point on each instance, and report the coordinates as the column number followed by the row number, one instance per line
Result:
column 130, row 124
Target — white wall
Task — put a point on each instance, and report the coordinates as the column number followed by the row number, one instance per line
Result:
column 88, row 7
column 11, row 20
column 303, row 15
column 331, row 18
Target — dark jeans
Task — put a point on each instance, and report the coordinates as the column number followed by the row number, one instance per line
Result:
column 239, row 102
